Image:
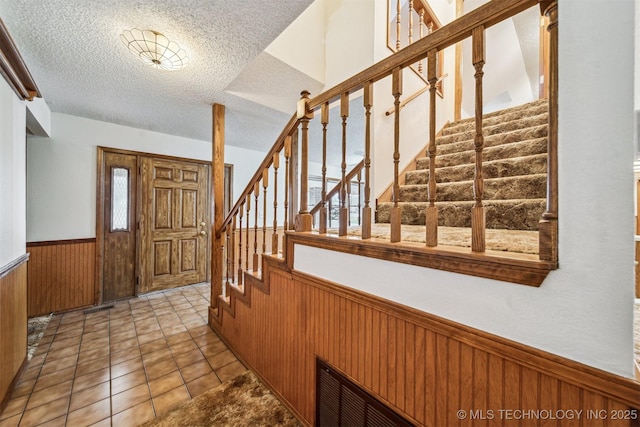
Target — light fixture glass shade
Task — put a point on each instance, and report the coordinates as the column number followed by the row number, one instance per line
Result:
column 154, row 49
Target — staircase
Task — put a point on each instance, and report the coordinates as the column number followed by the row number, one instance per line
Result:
column 514, row 170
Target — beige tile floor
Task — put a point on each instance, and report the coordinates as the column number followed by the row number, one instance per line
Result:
column 122, row 366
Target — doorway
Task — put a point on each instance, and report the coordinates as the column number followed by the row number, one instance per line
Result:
column 152, row 223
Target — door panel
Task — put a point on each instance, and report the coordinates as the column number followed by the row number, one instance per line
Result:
column 120, row 190
column 174, row 224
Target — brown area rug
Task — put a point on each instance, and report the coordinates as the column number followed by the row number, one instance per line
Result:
column 242, row 401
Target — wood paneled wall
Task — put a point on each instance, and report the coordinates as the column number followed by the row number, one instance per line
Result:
column 61, row 275
column 13, row 326
column 424, row 367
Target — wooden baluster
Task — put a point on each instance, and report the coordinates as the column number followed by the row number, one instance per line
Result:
column 246, row 267
column 548, row 226
column 287, row 155
column 421, row 36
column 304, row 219
column 323, row 209
column 478, row 212
column 227, row 233
column 344, row 211
column 256, row 193
column 398, row 25
column 359, row 176
column 348, row 209
column 396, row 211
column 232, row 250
column 274, row 237
column 240, row 214
column 366, row 211
column 431, row 219
column 265, row 184
column 410, row 21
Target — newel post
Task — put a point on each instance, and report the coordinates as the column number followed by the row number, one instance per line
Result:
column 304, row 219
column 548, row 225
column 217, row 197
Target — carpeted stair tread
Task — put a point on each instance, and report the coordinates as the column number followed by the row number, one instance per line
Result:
column 498, row 128
column 517, row 148
column 515, row 166
column 520, row 214
column 534, row 132
column 467, row 124
column 512, row 187
column 543, row 102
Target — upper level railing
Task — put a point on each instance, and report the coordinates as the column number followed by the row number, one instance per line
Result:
column 241, row 245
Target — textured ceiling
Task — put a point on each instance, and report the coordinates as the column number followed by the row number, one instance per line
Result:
column 74, row 53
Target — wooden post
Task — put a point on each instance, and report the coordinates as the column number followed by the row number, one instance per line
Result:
column 256, row 194
column 246, row 267
column 366, row 211
column 304, row 219
column 274, row 237
column 324, row 115
column 548, row 226
column 396, row 210
column 240, row 213
column 457, row 103
column 398, row 24
column 294, row 180
column 344, row 210
column 265, row 184
column 217, row 197
column 431, row 214
column 287, row 180
column 478, row 213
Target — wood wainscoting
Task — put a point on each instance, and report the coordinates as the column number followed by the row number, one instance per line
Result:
column 426, row 368
column 13, row 324
column 61, row 275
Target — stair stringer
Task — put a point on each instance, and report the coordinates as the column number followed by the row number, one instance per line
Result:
column 259, row 280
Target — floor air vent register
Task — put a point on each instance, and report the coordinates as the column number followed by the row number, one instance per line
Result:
column 340, row 402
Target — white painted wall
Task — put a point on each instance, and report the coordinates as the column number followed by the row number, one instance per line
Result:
column 583, row 310
column 305, row 34
column 12, row 175
column 61, row 183
column 349, row 50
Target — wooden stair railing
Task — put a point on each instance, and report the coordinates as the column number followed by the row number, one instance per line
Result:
column 524, row 269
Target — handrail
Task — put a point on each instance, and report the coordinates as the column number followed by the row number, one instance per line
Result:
column 357, row 168
column 277, row 147
column 14, row 69
column 414, row 96
column 486, row 15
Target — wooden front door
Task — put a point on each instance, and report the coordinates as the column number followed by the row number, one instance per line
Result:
column 173, row 224
column 120, row 187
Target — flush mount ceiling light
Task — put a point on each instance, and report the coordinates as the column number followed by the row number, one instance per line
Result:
column 154, row 49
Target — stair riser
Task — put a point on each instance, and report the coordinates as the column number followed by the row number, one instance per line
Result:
column 470, row 124
column 533, row 186
column 498, row 169
column 514, row 216
column 494, row 140
column 516, row 149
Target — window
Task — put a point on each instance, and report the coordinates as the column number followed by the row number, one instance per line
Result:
column 119, row 199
